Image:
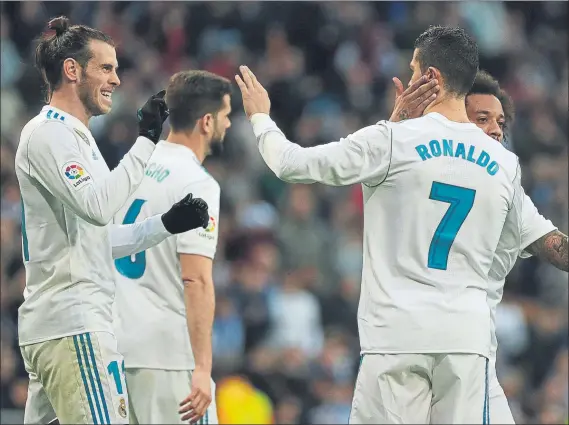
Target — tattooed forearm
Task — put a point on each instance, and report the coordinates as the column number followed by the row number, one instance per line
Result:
column 553, row 249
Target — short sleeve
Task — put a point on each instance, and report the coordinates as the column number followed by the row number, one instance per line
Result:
column 202, row 241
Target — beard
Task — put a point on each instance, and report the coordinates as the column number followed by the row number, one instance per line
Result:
column 87, row 98
column 216, row 146
column 216, row 143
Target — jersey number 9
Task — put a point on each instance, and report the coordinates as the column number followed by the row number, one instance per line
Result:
column 127, row 266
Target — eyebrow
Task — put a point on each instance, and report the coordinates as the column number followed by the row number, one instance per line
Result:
column 481, row 111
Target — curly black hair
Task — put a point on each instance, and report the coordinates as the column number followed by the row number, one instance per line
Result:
column 484, row 83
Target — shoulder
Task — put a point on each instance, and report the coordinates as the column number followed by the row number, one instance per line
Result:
column 48, row 131
column 41, row 135
column 194, row 178
column 411, row 124
column 509, row 161
column 207, row 181
column 370, row 135
column 195, row 174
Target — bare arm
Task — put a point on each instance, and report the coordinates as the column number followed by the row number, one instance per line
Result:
column 553, row 249
column 199, row 298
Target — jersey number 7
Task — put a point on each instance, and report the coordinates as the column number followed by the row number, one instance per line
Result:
column 461, row 200
column 127, row 266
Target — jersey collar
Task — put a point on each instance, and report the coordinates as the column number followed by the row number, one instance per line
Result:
column 181, row 149
column 54, row 113
column 459, row 125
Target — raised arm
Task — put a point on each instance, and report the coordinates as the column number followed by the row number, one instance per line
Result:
column 362, row 157
column 56, row 161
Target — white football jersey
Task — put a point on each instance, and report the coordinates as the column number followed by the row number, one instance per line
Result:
column 150, row 312
column 519, row 232
column 436, row 197
column 68, row 196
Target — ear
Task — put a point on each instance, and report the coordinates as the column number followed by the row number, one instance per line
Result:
column 71, row 70
column 207, row 123
column 433, row 73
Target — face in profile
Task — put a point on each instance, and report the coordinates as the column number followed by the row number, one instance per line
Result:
column 416, row 69
column 99, row 79
column 221, row 124
column 485, row 110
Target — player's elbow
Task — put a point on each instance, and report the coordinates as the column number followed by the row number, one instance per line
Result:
column 196, row 282
column 96, row 215
column 290, row 174
column 98, row 219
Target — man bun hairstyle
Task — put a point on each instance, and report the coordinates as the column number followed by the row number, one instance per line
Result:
column 453, row 52
column 59, row 25
column 67, row 42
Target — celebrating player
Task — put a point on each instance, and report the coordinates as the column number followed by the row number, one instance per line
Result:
column 429, row 184
column 69, row 197
column 492, row 110
column 165, row 295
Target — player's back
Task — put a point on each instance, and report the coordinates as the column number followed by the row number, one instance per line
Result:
column 150, row 315
column 431, row 229
column 65, row 292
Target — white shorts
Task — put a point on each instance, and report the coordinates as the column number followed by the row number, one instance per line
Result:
column 500, row 412
column 421, row 389
column 155, row 396
column 77, row 379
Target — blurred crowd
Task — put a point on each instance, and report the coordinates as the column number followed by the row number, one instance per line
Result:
column 287, row 270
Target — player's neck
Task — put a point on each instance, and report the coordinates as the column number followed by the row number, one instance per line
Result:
column 70, row 103
column 452, row 108
column 190, row 141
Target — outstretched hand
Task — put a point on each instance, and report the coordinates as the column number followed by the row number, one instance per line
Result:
column 255, row 97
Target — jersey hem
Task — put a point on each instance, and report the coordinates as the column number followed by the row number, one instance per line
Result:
column 172, row 368
column 59, row 336
column 426, row 351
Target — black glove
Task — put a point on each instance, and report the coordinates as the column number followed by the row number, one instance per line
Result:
column 151, row 117
column 187, row 214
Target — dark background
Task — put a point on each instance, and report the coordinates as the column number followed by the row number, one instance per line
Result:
column 289, row 257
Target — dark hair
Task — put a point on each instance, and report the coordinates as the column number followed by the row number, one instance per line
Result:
column 192, row 94
column 67, row 42
column 453, row 52
column 486, row 84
